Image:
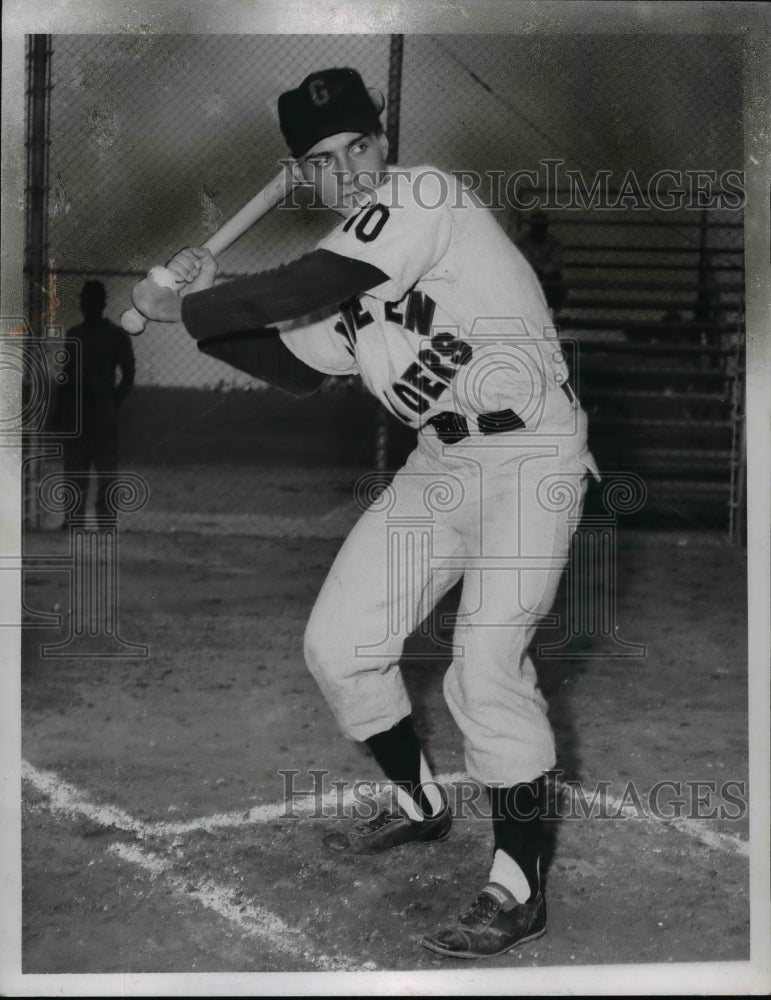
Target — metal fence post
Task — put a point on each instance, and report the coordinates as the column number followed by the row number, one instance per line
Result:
column 737, row 512
column 36, row 250
column 392, row 133
column 394, row 96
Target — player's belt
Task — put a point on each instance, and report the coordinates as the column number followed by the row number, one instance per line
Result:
column 453, row 427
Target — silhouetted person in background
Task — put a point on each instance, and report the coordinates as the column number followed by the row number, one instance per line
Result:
column 543, row 253
column 89, row 398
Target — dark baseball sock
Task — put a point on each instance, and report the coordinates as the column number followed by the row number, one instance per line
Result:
column 397, row 751
column 517, row 827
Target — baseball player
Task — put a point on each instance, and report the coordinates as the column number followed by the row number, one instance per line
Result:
column 90, row 397
column 446, row 323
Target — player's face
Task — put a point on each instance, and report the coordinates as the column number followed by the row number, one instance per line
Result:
column 343, row 168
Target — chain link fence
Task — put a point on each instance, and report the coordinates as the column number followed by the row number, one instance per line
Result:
column 156, row 140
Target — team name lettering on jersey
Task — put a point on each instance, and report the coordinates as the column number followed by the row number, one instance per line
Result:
column 431, row 375
column 414, row 312
column 353, row 317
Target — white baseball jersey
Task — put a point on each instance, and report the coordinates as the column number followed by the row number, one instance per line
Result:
column 460, row 325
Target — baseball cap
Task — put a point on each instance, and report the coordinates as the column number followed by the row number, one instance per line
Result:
column 326, row 102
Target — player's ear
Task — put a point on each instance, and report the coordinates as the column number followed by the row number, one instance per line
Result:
column 383, row 140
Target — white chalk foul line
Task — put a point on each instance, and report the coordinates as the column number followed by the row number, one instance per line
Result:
column 251, row 921
column 728, row 843
column 66, row 798
column 257, row 922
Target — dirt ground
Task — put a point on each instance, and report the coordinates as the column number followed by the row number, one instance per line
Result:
column 155, row 831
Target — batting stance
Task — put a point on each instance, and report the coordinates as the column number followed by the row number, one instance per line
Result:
column 446, row 323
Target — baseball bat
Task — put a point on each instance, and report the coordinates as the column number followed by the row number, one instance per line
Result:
column 134, row 322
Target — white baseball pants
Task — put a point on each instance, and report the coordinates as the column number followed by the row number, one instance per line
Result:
column 498, row 512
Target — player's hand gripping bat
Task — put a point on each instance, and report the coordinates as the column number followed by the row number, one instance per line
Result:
column 134, row 322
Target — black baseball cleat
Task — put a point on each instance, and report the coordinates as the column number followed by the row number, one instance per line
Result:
column 492, row 925
column 390, row 828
